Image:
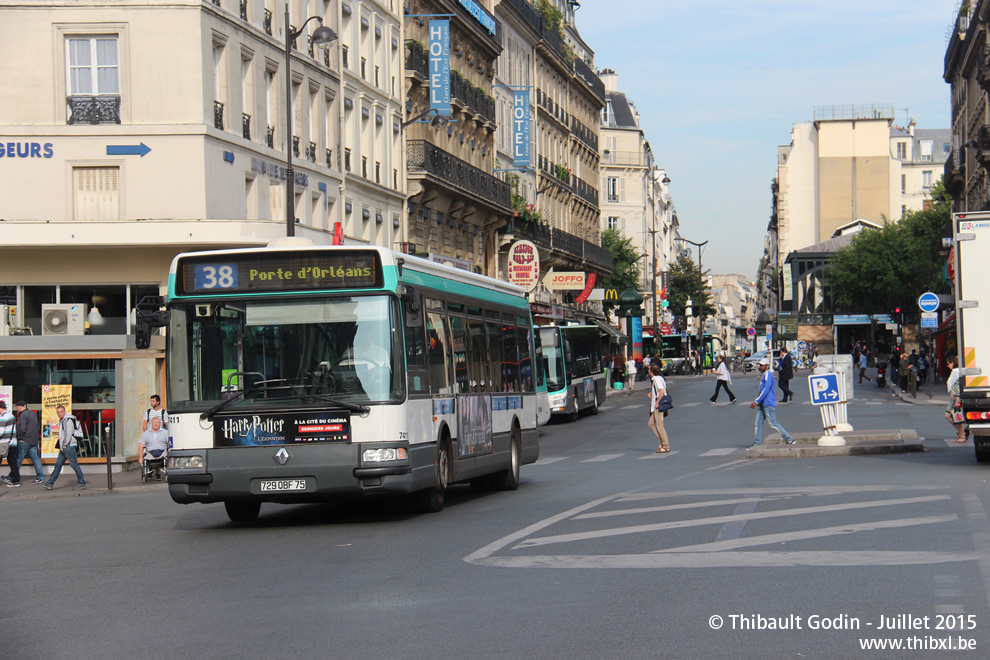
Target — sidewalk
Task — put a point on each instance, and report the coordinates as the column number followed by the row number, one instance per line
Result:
column 96, row 484
column 939, row 396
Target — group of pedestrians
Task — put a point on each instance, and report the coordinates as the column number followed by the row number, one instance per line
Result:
column 20, row 439
column 765, row 403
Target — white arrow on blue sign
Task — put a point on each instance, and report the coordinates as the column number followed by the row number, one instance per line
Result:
column 824, row 389
column 928, row 302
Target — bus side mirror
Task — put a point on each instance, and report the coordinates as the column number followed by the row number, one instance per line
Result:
column 412, row 304
column 150, row 316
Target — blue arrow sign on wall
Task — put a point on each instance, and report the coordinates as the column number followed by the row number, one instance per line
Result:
column 128, row 149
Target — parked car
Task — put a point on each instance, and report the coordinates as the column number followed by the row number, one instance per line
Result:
column 750, row 363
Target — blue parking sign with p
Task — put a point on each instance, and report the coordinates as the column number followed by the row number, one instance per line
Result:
column 824, row 389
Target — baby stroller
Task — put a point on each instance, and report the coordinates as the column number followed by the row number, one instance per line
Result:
column 153, row 466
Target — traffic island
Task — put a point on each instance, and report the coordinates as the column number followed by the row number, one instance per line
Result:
column 858, row 443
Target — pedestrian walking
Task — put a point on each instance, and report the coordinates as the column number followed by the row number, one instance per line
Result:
column 657, row 391
column 67, row 446
column 631, row 373
column 786, row 374
column 864, row 358
column 29, row 439
column 8, row 446
column 766, row 403
column 954, row 410
column 722, row 380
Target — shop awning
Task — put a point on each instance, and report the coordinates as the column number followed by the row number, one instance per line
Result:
column 614, row 334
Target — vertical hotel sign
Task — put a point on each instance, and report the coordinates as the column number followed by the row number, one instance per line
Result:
column 520, row 127
column 439, row 63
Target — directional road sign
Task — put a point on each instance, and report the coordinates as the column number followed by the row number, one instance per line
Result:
column 824, row 389
column 128, row 149
column 928, row 302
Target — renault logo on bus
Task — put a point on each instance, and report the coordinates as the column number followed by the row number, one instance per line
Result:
column 281, row 456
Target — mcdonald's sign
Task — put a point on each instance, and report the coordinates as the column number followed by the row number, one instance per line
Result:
column 612, row 294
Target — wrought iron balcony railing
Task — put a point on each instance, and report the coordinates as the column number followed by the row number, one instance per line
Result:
column 474, row 98
column 416, row 58
column 218, row 115
column 295, row 146
column 330, row 158
column 244, row 10
column 93, row 109
column 267, row 23
column 584, row 134
column 311, row 152
column 347, row 160
column 270, row 137
column 246, row 125
column 585, row 190
column 425, row 157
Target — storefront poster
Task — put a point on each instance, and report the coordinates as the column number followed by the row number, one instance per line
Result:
column 52, row 396
column 7, row 396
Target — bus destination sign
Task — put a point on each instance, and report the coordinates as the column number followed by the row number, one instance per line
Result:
column 266, row 272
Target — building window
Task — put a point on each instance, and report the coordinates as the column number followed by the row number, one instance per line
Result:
column 926, row 151
column 903, row 183
column 93, row 80
column 926, row 178
column 613, row 223
column 902, row 151
column 613, row 189
column 96, row 193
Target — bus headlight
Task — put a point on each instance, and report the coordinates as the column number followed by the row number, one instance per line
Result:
column 186, row 463
column 384, row 454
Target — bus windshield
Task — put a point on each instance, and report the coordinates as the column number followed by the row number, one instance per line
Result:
column 553, row 359
column 265, row 351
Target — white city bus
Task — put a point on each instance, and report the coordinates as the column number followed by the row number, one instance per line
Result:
column 572, row 365
column 308, row 374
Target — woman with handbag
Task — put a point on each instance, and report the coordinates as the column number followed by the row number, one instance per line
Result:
column 953, row 412
column 660, row 403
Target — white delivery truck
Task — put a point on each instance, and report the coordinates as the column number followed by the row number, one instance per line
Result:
column 972, row 297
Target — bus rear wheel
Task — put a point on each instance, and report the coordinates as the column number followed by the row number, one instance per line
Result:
column 242, row 511
column 508, row 479
column 431, row 499
column 594, row 406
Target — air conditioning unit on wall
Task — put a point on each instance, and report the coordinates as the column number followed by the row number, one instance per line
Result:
column 66, row 320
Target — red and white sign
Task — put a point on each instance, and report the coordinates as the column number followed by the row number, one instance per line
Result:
column 665, row 328
column 524, row 265
column 589, row 285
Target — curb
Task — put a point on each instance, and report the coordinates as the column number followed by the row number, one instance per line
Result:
column 865, row 443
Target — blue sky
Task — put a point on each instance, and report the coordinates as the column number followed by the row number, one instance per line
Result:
column 719, row 85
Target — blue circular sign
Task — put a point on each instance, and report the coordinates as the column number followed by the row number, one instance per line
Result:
column 802, row 345
column 928, row 302
column 750, row 332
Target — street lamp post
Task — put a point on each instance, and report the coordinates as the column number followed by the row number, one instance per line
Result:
column 322, row 37
column 701, row 295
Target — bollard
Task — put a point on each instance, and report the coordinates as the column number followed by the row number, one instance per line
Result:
column 913, row 383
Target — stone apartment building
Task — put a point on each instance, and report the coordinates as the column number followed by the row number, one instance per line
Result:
column 134, row 131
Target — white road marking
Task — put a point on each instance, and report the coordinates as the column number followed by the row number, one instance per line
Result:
column 550, row 459
column 804, row 534
column 603, row 457
column 604, row 408
column 874, row 403
column 729, row 466
column 670, row 507
column 719, row 520
column 635, row 405
column 722, row 451
column 656, row 455
column 690, row 404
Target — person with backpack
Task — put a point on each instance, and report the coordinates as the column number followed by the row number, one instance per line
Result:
column 154, row 411
column 69, row 433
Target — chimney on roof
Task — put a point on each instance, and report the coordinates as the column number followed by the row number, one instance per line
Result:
column 911, row 127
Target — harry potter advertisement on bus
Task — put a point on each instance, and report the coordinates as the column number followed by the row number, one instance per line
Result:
column 264, row 430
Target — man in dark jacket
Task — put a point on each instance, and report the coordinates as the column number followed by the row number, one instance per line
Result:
column 786, row 374
column 29, row 439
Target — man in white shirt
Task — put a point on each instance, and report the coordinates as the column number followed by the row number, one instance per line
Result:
column 631, row 372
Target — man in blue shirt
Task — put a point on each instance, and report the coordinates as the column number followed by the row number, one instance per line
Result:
column 863, row 363
column 767, row 404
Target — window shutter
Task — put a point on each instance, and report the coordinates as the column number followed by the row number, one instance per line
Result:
column 277, row 196
column 96, row 193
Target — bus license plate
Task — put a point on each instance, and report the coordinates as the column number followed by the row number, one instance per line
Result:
column 272, row 485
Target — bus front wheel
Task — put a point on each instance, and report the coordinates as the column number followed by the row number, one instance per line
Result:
column 242, row 511
column 431, row 499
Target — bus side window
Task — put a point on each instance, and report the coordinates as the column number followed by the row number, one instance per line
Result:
column 478, row 356
column 459, row 342
column 525, row 348
column 418, row 378
column 510, row 359
column 495, row 362
column 438, row 348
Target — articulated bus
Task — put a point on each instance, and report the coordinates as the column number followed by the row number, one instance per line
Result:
column 572, row 365
column 307, row 374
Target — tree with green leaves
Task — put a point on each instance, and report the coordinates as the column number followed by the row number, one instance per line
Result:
column 625, row 265
column 685, row 282
column 890, row 267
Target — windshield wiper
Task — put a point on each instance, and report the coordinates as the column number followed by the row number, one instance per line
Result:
column 226, row 402
column 353, row 407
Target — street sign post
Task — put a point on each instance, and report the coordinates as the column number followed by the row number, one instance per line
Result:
column 928, row 302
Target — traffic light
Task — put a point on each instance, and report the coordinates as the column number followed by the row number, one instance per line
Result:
column 149, row 317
